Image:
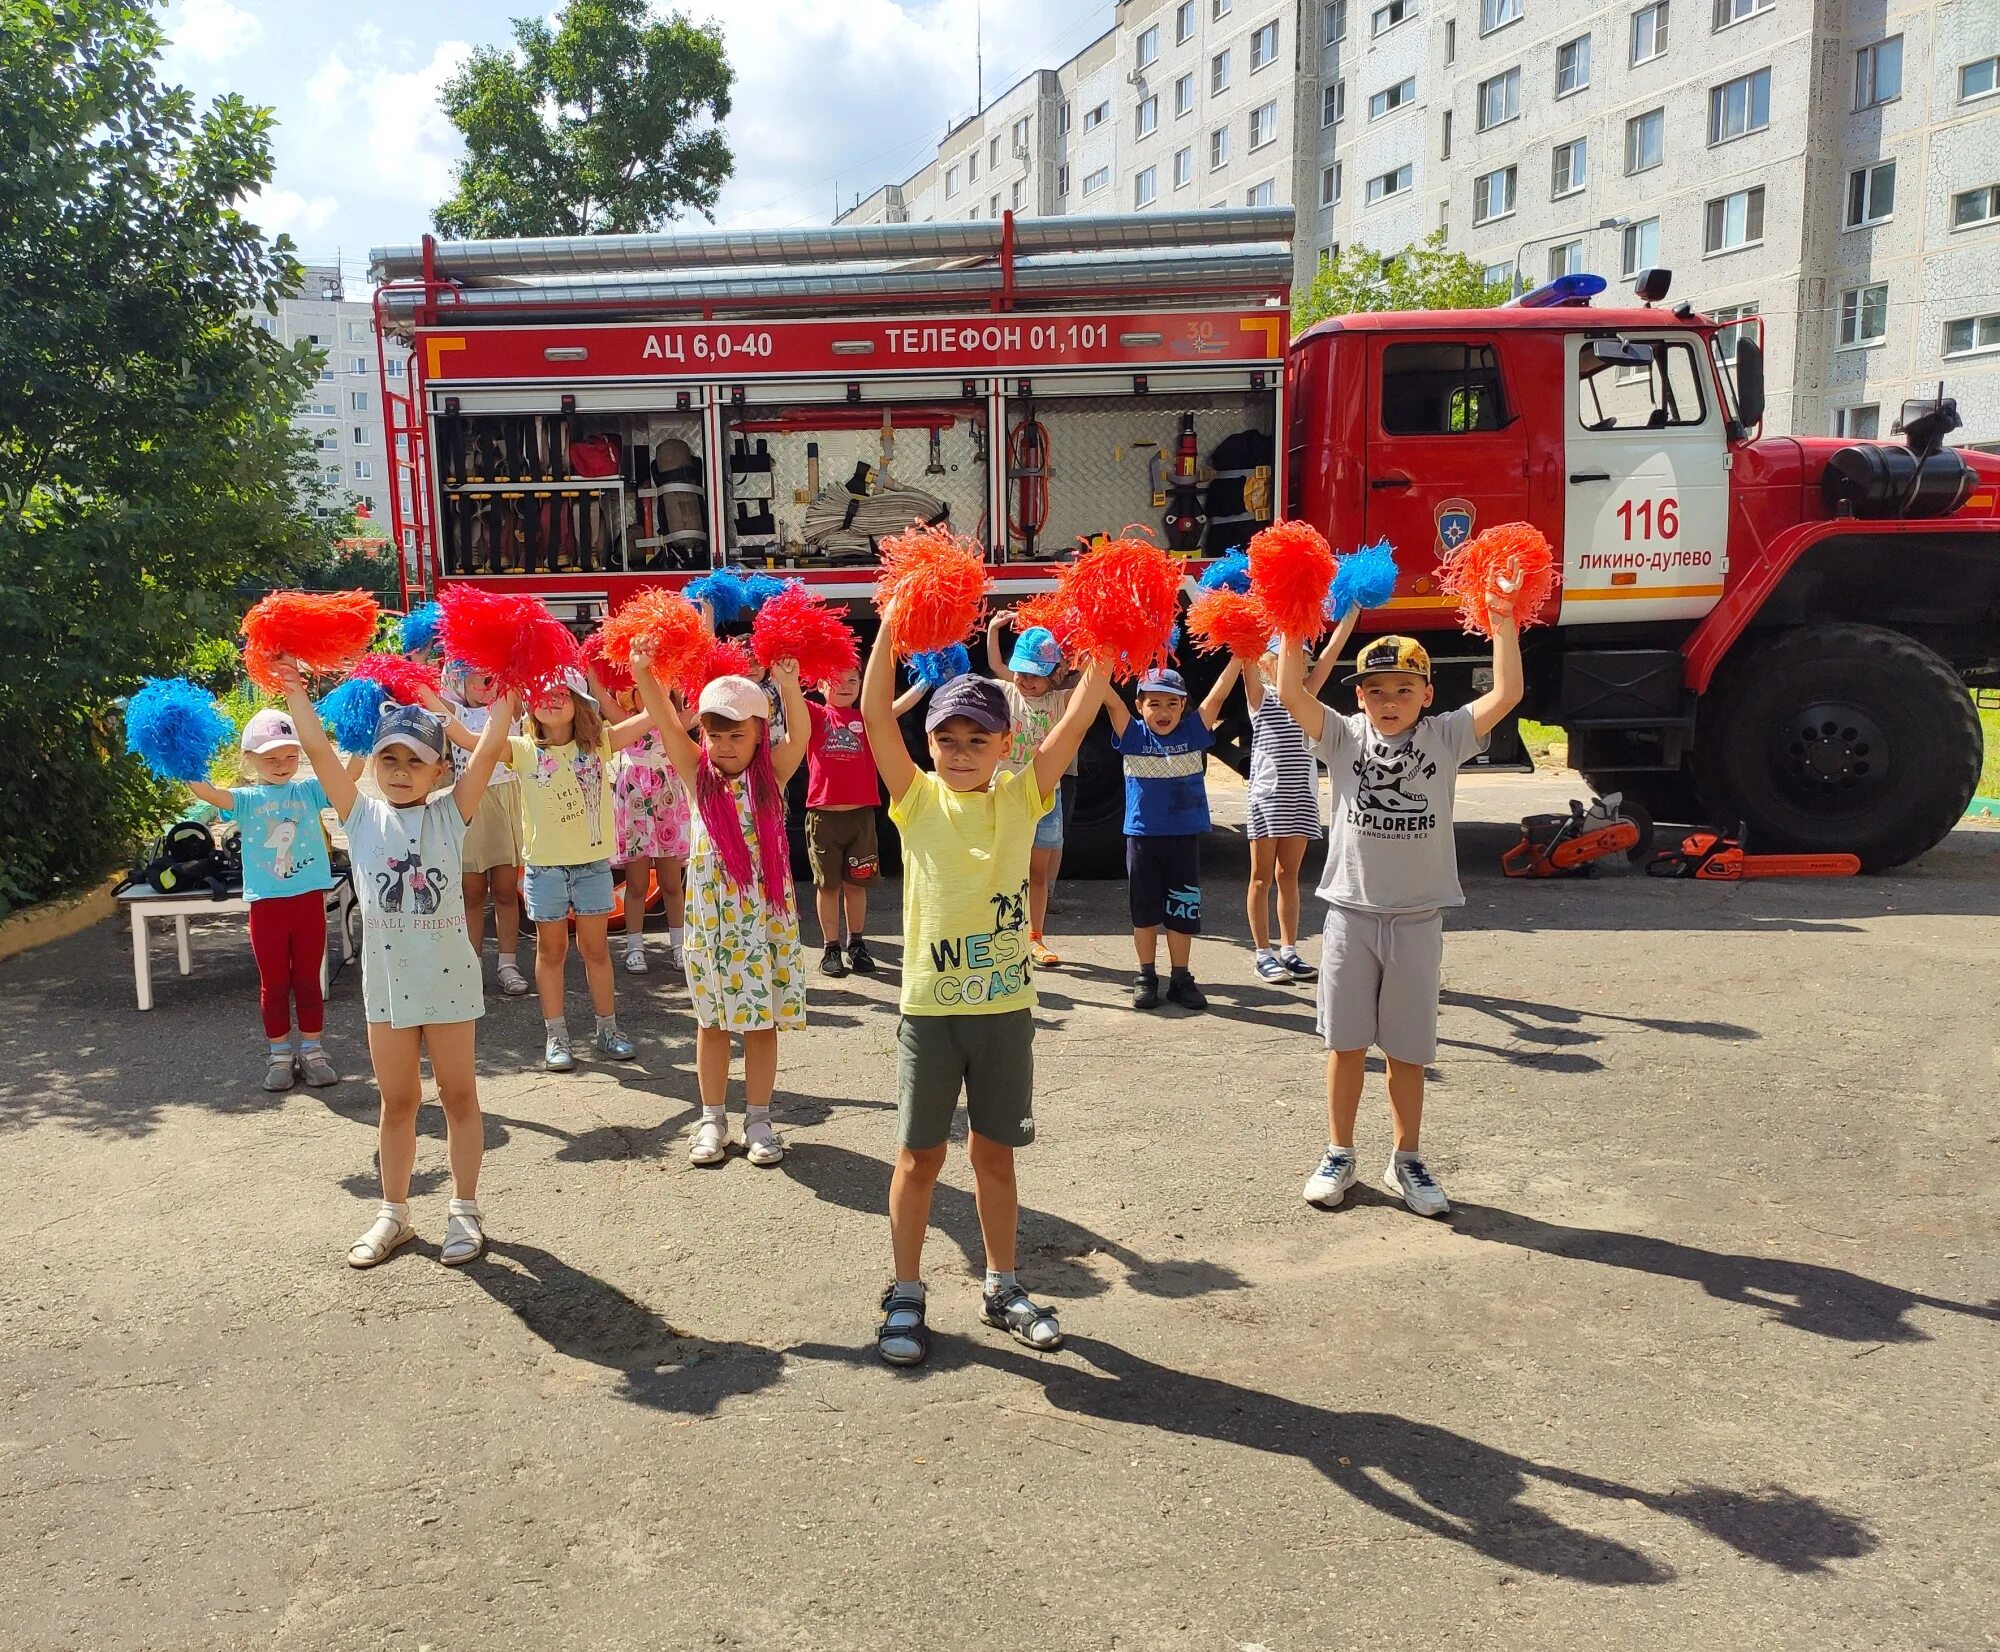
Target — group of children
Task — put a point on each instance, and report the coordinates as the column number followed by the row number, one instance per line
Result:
column 701, row 793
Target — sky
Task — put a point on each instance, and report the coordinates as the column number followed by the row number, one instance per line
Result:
column 845, row 94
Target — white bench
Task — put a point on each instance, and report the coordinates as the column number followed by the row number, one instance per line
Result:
column 145, row 906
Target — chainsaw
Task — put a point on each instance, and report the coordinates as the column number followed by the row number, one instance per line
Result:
column 1609, row 834
column 1712, row 857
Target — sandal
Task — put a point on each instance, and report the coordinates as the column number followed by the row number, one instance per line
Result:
column 1023, row 1319
column 464, row 1237
column 385, row 1234
column 902, row 1323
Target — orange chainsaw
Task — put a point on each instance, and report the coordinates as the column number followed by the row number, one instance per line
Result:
column 1711, row 857
column 1609, row 835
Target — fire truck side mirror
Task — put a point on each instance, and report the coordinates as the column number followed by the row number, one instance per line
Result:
column 1749, row 383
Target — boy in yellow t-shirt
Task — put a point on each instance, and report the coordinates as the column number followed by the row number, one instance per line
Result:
column 968, row 995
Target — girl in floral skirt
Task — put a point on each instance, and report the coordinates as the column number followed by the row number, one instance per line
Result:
column 745, row 969
column 649, row 808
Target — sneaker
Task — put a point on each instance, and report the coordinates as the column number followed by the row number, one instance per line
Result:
column 760, row 1143
column 1328, row 1185
column 1296, row 967
column 1269, row 969
column 278, row 1071
column 1146, row 992
column 1411, row 1181
column 555, row 1053
column 635, row 961
column 615, row 1044
column 710, row 1144
column 512, row 982
column 860, row 959
column 831, row 962
column 1038, row 949
column 316, row 1069
column 1181, row 990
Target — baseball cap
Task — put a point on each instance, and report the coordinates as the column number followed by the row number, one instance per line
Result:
column 978, row 698
column 1382, row 654
column 577, row 684
column 1164, row 681
column 737, row 698
column 270, row 727
column 1037, row 652
column 410, row 726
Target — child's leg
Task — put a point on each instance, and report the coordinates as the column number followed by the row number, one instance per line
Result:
column 1042, row 864
column 270, row 945
column 1345, row 1072
column 826, row 900
column 396, row 1053
column 638, row 885
column 1180, row 947
column 474, row 886
column 551, row 952
column 674, row 893
column 1291, row 852
column 711, row 1065
column 505, row 882
column 854, row 897
column 1146, row 943
column 998, row 1198
column 910, row 1188
column 450, row 1045
column 1263, row 867
column 1406, row 1102
column 308, row 938
column 760, row 1066
column 593, row 941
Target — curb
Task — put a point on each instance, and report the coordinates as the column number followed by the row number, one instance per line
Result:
column 56, row 920
column 1983, row 808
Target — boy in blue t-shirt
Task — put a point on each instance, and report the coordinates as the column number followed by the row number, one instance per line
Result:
column 1166, row 814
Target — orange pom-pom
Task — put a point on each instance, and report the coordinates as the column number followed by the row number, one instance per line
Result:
column 319, row 630
column 1291, row 571
column 797, row 625
column 398, row 676
column 614, row 677
column 1508, row 567
column 1125, row 595
column 514, row 640
column 1225, row 619
column 661, row 624
column 1053, row 612
column 937, row 582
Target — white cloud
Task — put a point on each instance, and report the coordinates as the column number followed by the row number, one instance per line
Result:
column 211, row 30
column 285, row 211
column 381, row 126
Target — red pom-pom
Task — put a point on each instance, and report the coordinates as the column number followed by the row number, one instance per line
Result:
column 1509, row 566
column 515, row 640
column 1291, row 571
column 661, row 625
column 1125, row 595
column 613, row 676
column 796, row 625
column 320, row 630
column 937, row 581
column 400, row 677
column 1229, row 620
column 723, row 659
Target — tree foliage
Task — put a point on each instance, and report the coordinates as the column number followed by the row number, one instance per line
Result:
column 604, row 124
column 1423, row 276
column 149, row 469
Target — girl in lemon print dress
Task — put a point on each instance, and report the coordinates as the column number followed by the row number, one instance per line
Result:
column 745, row 969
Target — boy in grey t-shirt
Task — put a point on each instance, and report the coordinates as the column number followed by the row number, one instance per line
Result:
column 1391, row 869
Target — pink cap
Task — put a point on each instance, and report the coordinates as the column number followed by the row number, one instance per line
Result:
column 737, row 698
column 268, row 729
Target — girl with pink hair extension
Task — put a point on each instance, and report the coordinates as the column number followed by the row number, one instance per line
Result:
column 745, row 967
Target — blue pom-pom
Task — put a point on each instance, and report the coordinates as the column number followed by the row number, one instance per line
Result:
column 1363, row 579
column 350, row 713
column 1229, row 573
column 941, row 665
column 420, row 626
column 1174, row 639
column 175, row 728
column 758, row 589
column 723, row 592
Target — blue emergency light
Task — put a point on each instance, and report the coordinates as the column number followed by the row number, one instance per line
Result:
column 1564, row 290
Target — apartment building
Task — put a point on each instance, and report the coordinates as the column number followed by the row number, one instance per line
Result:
column 1831, row 167
column 341, row 414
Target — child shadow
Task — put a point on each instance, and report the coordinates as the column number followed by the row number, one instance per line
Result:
column 1805, row 1296
column 1052, row 1249
column 1520, row 1016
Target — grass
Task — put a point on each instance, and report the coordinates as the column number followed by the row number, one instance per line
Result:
column 1989, row 773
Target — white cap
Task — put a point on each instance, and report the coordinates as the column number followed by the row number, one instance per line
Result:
column 737, row 698
column 269, row 729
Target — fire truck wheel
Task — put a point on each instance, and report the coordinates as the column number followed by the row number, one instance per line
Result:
column 1663, row 796
column 1833, row 738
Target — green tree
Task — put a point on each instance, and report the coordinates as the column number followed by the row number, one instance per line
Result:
column 605, row 124
column 149, row 469
column 1422, row 276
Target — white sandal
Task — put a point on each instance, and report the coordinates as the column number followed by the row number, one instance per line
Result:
column 464, row 1236
column 385, row 1234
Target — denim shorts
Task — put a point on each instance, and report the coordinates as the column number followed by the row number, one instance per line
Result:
column 1049, row 829
column 553, row 892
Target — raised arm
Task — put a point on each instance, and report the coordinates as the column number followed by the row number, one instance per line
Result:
column 682, row 752
column 492, row 742
column 454, row 731
column 996, row 656
column 334, row 779
column 1060, row 744
column 219, row 797
column 1299, row 700
column 1218, row 696
column 622, row 734
column 1508, row 682
column 878, row 713
column 1114, row 705
column 910, row 696
column 790, row 752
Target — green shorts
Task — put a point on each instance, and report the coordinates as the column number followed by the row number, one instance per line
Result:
column 990, row 1057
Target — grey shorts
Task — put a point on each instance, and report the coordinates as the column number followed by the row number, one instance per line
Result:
column 990, row 1057
column 1378, row 982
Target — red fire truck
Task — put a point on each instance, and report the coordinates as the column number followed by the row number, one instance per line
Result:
column 1772, row 630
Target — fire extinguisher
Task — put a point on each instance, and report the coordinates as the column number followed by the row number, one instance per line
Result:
column 1185, row 519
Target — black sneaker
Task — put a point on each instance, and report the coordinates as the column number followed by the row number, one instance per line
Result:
column 1181, row 990
column 831, row 962
column 1146, row 993
column 859, row 958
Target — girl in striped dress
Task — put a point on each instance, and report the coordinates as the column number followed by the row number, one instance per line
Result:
column 1284, row 813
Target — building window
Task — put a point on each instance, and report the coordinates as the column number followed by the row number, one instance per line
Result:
column 1015, row 201
column 1858, row 424
column 1333, row 103
column 1385, row 18
column 357, row 364
column 1734, row 11
column 1333, row 22
column 330, row 477
column 326, row 375
column 357, row 331
column 972, row 167
column 1184, row 22
column 1022, row 128
column 1566, row 258
column 1146, row 120
column 1571, row 168
column 1739, row 107
column 1183, row 167
column 1573, row 66
column 1062, row 118
column 1219, row 9
column 1641, row 247
column 1975, row 206
column 1062, row 179
column 993, row 207
column 1971, row 334
column 1871, row 194
column 1493, row 195
column 357, row 401
column 1094, row 181
column 1979, row 80
column 1329, row 184
column 1149, row 46
column 1392, row 98
column 1218, row 148
column 1645, row 141
column 993, row 154
column 395, row 368
column 1218, row 73
column 1864, row 315
column 950, row 182
column 1497, row 14
column 1732, row 317
column 1500, row 99
column 1259, row 195
column 1096, row 117
column 1734, row 221
column 1442, row 389
column 1389, row 183
column 1264, row 124
column 1498, row 275
column 1263, row 47
column 1649, row 32
column 1444, row 142
column 1878, row 72
column 1146, row 187
column 363, row 470
column 361, row 435
column 1184, row 96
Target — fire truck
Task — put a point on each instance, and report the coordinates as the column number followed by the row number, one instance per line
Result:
column 1774, row 631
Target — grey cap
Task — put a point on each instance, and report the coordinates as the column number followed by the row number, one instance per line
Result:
column 978, row 698
column 410, row 726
